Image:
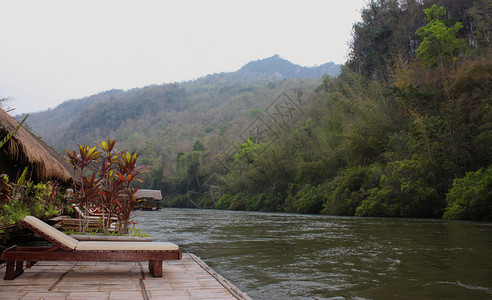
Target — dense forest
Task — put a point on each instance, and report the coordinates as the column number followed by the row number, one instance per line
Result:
column 405, row 130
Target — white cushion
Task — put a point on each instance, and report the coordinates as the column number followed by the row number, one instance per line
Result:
column 52, row 232
column 73, row 244
column 125, row 246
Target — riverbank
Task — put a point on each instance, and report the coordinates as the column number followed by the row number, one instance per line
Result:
column 188, row 278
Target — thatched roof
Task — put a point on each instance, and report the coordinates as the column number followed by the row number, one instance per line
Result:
column 25, row 149
column 149, row 194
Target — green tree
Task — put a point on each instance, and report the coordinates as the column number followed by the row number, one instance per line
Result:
column 481, row 12
column 249, row 152
column 406, row 190
column 439, row 40
column 471, row 196
column 198, row 146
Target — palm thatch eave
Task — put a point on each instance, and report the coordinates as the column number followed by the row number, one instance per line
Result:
column 25, row 149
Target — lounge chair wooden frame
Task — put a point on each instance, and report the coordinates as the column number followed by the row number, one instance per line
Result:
column 15, row 256
column 88, row 221
column 91, row 216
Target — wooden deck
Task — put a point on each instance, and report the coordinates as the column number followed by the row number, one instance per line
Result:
column 189, row 278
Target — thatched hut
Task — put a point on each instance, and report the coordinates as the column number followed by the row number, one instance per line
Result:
column 25, row 149
column 148, row 199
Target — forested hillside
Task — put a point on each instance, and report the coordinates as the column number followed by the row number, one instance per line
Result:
column 164, row 122
column 183, row 109
column 404, row 131
column 52, row 124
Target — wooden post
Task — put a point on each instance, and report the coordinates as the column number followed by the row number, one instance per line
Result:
column 13, row 269
column 155, row 268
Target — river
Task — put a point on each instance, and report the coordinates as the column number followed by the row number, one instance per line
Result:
column 291, row 256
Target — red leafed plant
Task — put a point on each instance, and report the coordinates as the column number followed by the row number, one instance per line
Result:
column 110, row 183
column 127, row 172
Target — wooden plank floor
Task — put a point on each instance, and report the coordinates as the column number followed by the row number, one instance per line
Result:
column 188, row 278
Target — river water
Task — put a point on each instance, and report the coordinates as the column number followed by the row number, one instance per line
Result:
column 290, row 256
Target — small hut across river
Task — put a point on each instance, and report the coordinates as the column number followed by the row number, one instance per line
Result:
column 148, row 199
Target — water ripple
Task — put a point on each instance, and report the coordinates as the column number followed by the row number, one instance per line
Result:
column 288, row 256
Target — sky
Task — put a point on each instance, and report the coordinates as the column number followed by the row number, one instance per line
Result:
column 55, row 50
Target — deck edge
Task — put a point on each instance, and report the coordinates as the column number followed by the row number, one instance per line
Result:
column 234, row 290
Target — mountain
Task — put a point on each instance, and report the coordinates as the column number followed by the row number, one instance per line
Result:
column 280, row 68
column 53, row 123
column 186, row 111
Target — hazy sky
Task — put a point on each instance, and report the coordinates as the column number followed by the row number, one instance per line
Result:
column 55, row 50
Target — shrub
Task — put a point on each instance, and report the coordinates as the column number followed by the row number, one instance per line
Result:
column 224, row 202
column 41, row 200
column 470, row 198
column 346, row 192
column 307, row 200
column 406, row 190
column 111, row 180
column 239, row 202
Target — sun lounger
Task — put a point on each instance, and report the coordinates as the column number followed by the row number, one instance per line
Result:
column 91, row 215
column 88, row 221
column 66, row 248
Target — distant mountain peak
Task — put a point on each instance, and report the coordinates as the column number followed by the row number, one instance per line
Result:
column 280, row 68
